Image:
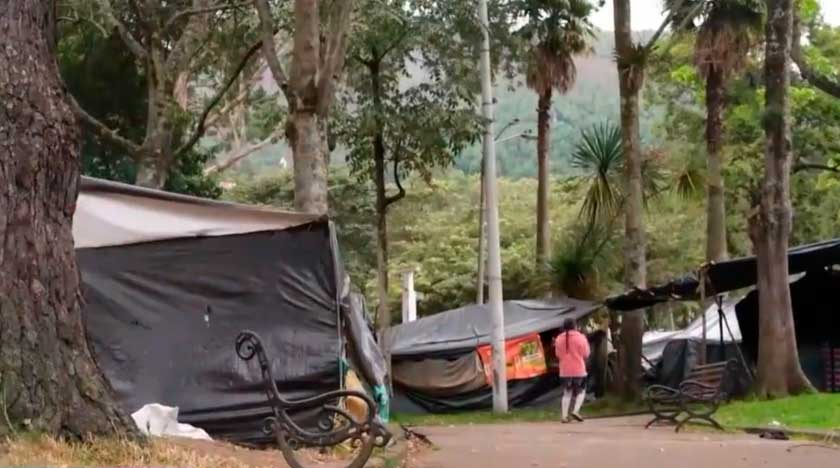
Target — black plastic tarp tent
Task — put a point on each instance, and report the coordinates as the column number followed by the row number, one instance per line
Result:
column 169, row 281
column 727, row 276
column 436, row 367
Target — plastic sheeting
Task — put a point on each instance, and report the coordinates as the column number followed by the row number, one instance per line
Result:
column 460, row 330
column 441, row 377
column 727, row 276
column 654, row 342
column 162, row 421
column 148, row 322
column 110, row 214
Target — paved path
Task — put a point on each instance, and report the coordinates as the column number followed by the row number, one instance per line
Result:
column 610, row 443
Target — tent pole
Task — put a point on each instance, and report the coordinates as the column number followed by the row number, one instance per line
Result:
column 737, row 347
column 719, row 300
column 704, row 306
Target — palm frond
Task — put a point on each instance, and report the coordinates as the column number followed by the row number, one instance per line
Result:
column 599, row 156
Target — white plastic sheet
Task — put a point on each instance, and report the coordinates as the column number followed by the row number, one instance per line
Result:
column 162, row 421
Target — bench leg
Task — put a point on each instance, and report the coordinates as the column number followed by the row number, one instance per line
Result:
column 668, row 419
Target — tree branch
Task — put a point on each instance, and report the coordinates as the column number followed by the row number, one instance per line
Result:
column 269, row 50
column 815, row 167
column 202, row 120
column 334, row 58
column 243, row 153
column 401, row 194
column 133, row 44
column 689, row 17
column 101, row 129
column 202, row 10
column 816, row 79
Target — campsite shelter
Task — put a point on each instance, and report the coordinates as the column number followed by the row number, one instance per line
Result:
column 170, row 280
column 669, row 355
column 438, row 362
column 816, row 305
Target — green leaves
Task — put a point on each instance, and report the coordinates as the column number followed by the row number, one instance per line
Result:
column 599, row 156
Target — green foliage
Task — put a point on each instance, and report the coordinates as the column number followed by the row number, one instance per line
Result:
column 579, row 261
column 90, row 66
column 351, row 209
column 599, row 157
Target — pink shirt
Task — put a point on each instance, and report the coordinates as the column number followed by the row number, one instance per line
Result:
column 572, row 358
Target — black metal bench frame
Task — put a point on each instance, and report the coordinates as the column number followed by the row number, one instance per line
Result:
column 695, row 399
column 335, row 424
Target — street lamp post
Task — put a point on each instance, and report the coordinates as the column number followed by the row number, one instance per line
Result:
column 479, row 284
column 500, row 401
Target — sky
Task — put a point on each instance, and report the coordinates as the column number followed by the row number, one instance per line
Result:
column 647, row 14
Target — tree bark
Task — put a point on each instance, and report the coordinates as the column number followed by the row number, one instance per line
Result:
column 630, row 82
column 155, row 155
column 779, row 371
column 715, row 201
column 306, row 129
column 543, row 146
column 49, row 380
column 382, row 198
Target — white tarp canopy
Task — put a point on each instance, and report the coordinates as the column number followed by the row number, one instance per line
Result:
column 110, row 214
column 654, row 342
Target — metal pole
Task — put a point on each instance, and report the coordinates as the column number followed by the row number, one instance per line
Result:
column 494, row 263
column 705, row 305
column 479, row 285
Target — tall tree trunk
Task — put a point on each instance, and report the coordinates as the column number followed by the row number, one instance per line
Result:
column 779, row 372
column 543, row 150
column 383, row 312
column 305, row 129
column 48, row 379
column 630, row 82
column 715, row 201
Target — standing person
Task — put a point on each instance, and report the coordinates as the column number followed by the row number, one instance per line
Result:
column 572, row 348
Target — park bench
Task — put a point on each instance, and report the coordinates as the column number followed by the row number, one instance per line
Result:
column 335, row 424
column 698, row 397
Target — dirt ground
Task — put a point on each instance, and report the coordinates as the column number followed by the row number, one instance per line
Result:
column 611, row 443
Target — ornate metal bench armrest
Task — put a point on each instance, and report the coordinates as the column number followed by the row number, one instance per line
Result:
column 335, row 424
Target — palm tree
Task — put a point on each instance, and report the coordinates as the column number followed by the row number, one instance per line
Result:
column 556, row 31
column 729, row 30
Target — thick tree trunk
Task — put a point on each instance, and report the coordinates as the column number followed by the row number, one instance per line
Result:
column 630, row 82
column 306, row 129
column 543, row 150
column 715, row 202
column 48, row 379
column 779, row 372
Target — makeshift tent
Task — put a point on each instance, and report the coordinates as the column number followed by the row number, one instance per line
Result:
column 670, row 356
column 729, row 275
column 440, row 363
column 655, row 342
column 169, row 281
column 813, row 292
column 816, row 315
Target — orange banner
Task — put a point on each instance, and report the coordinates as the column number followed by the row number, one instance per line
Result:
column 524, row 355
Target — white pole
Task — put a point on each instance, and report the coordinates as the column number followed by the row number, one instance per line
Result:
column 494, row 262
column 409, row 297
column 479, row 286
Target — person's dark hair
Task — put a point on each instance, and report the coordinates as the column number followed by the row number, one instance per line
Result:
column 568, row 325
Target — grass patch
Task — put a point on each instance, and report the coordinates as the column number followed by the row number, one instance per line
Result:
column 817, row 411
column 603, row 407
